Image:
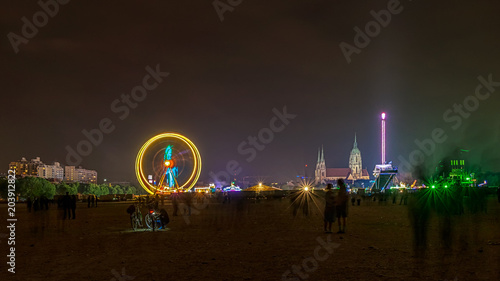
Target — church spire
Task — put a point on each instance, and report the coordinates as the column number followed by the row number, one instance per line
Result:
column 322, row 154
column 318, row 155
column 355, row 141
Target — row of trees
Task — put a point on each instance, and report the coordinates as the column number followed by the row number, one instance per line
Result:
column 39, row 187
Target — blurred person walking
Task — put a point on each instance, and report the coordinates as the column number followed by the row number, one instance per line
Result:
column 341, row 205
column 175, row 203
column 36, row 203
column 394, row 195
column 404, row 197
column 66, row 203
column 188, row 202
column 329, row 214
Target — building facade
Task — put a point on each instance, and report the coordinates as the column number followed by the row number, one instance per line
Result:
column 86, row 176
column 70, row 174
column 355, row 162
column 25, row 168
column 55, row 172
column 79, row 174
column 51, row 172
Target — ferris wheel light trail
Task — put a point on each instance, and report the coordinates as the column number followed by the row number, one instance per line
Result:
column 383, row 137
column 188, row 184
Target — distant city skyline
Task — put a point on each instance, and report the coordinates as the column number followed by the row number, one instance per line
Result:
column 55, row 172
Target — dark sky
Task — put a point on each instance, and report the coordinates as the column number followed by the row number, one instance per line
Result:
column 226, row 77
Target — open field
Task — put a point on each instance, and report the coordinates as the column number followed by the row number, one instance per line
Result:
column 250, row 241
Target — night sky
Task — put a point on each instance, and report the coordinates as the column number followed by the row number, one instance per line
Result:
column 226, row 78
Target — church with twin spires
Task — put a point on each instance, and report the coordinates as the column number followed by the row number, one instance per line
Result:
column 355, row 171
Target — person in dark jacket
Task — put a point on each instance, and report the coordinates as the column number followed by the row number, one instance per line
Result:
column 73, row 205
column 341, row 205
column 329, row 214
column 66, row 203
column 29, row 203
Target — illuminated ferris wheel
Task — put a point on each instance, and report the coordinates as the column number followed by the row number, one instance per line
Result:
column 168, row 162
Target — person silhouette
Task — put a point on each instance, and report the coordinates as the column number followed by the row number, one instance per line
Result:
column 329, row 214
column 66, row 202
column 341, row 205
column 175, row 203
column 36, row 203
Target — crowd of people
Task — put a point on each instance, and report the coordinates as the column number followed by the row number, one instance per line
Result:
column 69, row 206
column 336, row 207
column 91, row 201
column 38, row 203
column 66, row 203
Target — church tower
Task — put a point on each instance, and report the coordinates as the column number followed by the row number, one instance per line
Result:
column 355, row 163
column 320, row 172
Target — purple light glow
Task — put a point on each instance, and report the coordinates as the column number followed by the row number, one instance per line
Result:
column 383, row 138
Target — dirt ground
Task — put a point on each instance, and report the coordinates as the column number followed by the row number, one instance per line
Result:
column 247, row 241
